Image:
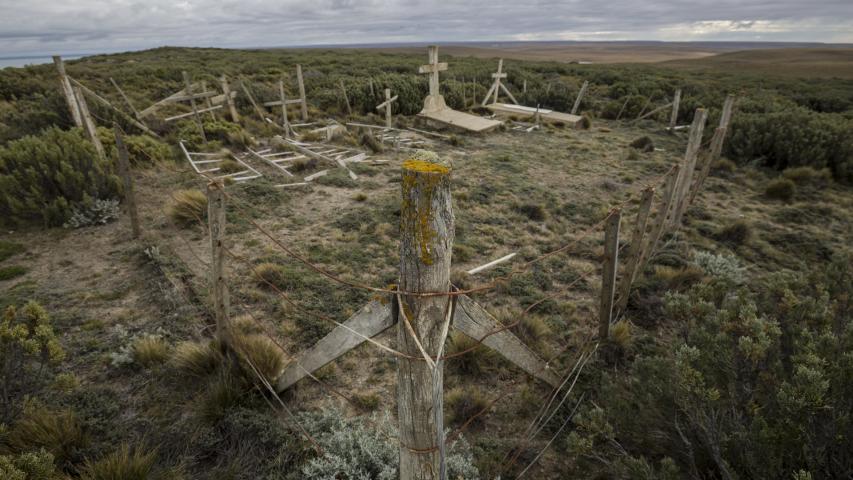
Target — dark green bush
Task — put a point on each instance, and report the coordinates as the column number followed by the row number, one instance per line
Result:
column 44, row 177
column 780, row 189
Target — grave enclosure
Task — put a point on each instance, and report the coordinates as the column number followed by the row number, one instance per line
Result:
column 424, row 306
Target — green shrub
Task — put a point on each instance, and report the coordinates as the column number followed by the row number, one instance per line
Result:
column 27, row 345
column 9, row 249
column 187, row 207
column 535, row 212
column 780, row 189
column 100, row 212
column 36, row 465
column 12, row 271
column 44, row 177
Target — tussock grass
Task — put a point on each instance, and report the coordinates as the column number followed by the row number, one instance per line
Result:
column 808, row 175
column 196, row 359
column 225, row 392
column 620, row 334
column 187, row 207
column 736, row 233
column 269, row 273
column 230, row 166
column 126, row 463
column 463, row 403
column 260, row 352
column 150, row 350
column 472, row 363
column 780, row 189
column 59, row 433
column 678, row 278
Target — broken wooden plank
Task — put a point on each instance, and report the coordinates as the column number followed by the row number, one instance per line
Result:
column 475, row 322
column 373, row 319
column 491, row 264
column 190, row 114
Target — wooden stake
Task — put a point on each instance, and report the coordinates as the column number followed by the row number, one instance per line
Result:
column 127, row 178
column 715, row 149
column 302, row 93
column 635, row 248
column 88, row 123
column 372, row 93
column 578, row 100
column 218, row 287
column 660, row 218
column 427, row 233
column 346, row 98
column 207, row 101
column 253, row 102
column 676, row 101
column 189, row 90
column 608, row 273
column 387, row 106
column 618, row 116
column 693, row 144
column 126, row 100
column 524, row 86
column 232, row 108
column 73, row 107
column 285, row 122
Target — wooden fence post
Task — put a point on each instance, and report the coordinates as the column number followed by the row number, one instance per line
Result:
column 694, row 143
column 65, row 83
column 301, row 82
column 88, row 123
column 635, row 248
column 232, row 108
column 218, row 287
column 346, row 98
column 285, row 122
column 124, row 172
column 578, row 100
column 524, row 86
column 660, row 219
column 608, row 272
column 716, row 147
column 189, row 90
column 427, row 233
column 673, row 118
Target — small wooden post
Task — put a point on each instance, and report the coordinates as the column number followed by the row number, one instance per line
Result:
column 676, row 101
column 578, row 100
column 253, row 102
column 65, row 83
column 126, row 100
column 302, row 93
column 625, row 104
column 124, row 172
column 524, row 86
column 88, row 123
column 694, row 142
column 189, row 90
column 426, row 243
column 232, row 108
column 346, row 98
column 635, row 248
column 387, row 106
column 608, row 272
column 285, row 122
column 660, row 218
column 218, row 287
column 370, row 83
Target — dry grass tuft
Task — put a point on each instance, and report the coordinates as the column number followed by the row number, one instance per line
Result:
column 187, row 207
column 259, row 352
column 196, row 359
column 126, row 463
column 736, row 233
column 780, row 189
column 59, row 433
column 620, row 334
column 230, row 166
column 268, row 273
column 679, row 278
column 463, row 403
column 150, row 350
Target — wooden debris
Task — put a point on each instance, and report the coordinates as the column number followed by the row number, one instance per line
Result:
column 491, row 264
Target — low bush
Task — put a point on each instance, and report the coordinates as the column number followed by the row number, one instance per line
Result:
column 780, row 189
column 45, row 177
column 736, row 233
column 187, row 207
column 99, row 212
column 36, row 465
column 57, row 432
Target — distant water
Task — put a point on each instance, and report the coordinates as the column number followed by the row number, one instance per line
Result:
column 24, row 61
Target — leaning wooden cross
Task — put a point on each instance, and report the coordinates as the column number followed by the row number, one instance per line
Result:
column 497, row 86
column 387, row 106
column 435, row 107
column 422, row 320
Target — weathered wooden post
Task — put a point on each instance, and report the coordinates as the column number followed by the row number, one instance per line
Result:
column 387, row 106
column 65, row 83
column 346, row 98
column 232, row 108
column 302, row 92
column 673, row 118
column 660, row 219
column 189, row 90
column 218, row 287
column 285, row 122
column 524, row 86
column 88, row 123
column 716, row 147
column 124, row 172
column 126, row 100
column 578, row 100
column 427, row 233
column 608, row 272
column 636, row 247
column 208, row 103
column 253, row 102
column 694, row 143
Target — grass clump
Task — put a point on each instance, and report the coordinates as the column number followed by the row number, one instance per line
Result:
column 368, row 140
column 259, row 356
column 196, row 359
column 736, row 233
column 224, row 393
column 679, row 279
column 230, row 166
column 126, row 463
column 532, row 211
column 12, row 271
column 59, row 433
column 780, row 189
column 267, row 274
column 366, row 401
column 8, row 249
column 724, row 166
column 585, row 122
column 643, row 144
column 808, row 175
column 150, row 350
column 463, row 403
column 187, row 207
column 474, row 362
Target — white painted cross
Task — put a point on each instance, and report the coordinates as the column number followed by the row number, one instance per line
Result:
column 432, row 69
column 497, row 86
column 387, row 106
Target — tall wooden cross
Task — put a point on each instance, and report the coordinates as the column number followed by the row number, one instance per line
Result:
column 387, row 106
column 434, row 101
column 497, row 86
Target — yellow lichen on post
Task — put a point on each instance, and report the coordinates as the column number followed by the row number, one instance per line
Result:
column 421, row 174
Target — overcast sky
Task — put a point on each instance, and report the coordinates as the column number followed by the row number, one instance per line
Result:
column 91, row 26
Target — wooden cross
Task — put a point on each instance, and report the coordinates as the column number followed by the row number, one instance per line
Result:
column 497, row 86
column 432, row 69
column 387, row 105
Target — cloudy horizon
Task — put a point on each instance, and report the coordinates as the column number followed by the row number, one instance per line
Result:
column 39, row 27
